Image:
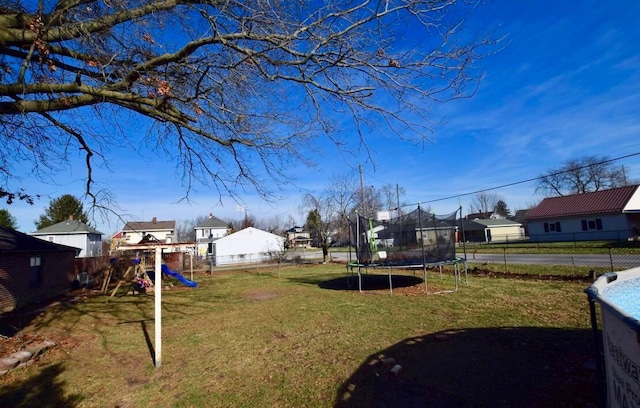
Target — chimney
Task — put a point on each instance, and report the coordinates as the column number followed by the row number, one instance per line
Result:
column 154, row 220
column 210, row 215
column 71, row 217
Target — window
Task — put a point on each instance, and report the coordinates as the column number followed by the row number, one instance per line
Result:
column 591, row 224
column 35, row 271
column 552, row 227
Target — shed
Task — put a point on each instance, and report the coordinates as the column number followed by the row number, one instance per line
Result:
column 500, row 229
column 249, row 245
column 32, row 269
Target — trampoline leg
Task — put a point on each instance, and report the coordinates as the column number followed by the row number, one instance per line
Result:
column 426, row 288
column 390, row 283
column 456, row 276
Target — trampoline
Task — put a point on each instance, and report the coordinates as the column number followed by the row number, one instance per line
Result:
column 416, row 241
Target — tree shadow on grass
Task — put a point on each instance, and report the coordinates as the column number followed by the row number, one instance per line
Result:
column 43, row 390
column 522, row 367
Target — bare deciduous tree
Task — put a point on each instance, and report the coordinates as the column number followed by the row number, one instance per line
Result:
column 369, row 204
column 230, row 90
column 186, row 229
column 273, row 224
column 343, row 192
column 391, row 196
column 581, row 175
column 322, row 219
column 485, row 203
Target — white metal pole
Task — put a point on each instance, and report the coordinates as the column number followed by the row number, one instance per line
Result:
column 157, row 289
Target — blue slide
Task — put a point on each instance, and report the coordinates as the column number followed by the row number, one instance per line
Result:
column 179, row 277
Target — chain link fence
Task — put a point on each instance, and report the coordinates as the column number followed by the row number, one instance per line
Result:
column 586, row 261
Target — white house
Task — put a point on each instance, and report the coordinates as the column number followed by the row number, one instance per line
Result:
column 73, row 233
column 612, row 214
column 136, row 231
column 249, row 245
column 207, row 232
column 298, row 237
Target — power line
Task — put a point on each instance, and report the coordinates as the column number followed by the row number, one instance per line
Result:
column 528, row 180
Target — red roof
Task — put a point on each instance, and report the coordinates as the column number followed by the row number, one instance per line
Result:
column 610, row 201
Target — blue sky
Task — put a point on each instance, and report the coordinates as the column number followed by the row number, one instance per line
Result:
column 566, row 85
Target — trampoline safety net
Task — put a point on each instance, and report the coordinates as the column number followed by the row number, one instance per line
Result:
column 415, row 238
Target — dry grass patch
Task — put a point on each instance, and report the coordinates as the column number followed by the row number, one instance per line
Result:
column 285, row 338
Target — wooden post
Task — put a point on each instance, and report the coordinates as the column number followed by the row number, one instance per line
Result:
column 107, row 280
column 121, row 281
column 157, row 290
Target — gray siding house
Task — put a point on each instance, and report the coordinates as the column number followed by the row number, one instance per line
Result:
column 207, row 232
column 73, row 233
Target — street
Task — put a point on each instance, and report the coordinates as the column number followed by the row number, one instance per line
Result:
column 619, row 261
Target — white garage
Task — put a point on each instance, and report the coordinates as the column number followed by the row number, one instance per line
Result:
column 249, row 245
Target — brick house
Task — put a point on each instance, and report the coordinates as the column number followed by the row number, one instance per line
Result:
column 32, row 269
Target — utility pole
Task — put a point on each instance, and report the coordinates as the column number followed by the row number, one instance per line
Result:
column 364, row 205
column 398, row 197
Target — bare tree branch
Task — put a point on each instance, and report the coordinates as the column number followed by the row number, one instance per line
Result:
column 236, row 82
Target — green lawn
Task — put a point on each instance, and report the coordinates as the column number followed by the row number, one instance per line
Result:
column 297, row 338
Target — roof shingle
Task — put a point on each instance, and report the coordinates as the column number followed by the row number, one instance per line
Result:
column 15, row 241
column 212, row 222
column 68, row 227
column 611, row 201
column 149, row 226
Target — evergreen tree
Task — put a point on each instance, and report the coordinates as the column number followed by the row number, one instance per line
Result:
column 502, row 209
column 60, row 209
column 315, row 226
column 7, row 220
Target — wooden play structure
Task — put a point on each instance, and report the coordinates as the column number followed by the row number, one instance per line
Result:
column 139, row 277
column 135, row 275
column 140, row 280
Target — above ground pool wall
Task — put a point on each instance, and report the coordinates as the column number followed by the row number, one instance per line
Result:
column 620, row 342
